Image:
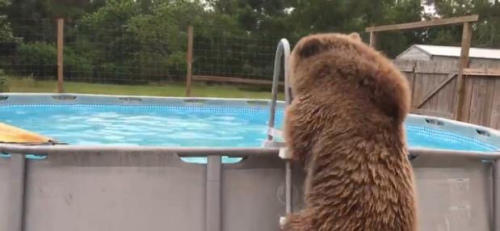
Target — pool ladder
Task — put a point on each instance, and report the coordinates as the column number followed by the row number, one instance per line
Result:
column 282, row 55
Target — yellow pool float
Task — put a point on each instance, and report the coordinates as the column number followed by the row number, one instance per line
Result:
column 11, row 134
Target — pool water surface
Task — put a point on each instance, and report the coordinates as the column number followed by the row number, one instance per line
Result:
column 181, row 126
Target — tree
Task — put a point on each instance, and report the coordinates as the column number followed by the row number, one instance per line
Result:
column 5, row 28
column 144, row 40
column 162, row 37
column 393, row 43
column 103, row 37
column 486, row 32
column 346, row 16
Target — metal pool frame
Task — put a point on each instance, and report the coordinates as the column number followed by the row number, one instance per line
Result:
column 453, row 174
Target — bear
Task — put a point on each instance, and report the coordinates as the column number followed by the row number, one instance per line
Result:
column 345, row 127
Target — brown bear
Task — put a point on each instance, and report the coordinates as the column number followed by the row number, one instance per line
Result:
column 345, row 126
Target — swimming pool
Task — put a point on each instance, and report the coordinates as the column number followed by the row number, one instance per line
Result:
column 205, row 123
column 129, row 144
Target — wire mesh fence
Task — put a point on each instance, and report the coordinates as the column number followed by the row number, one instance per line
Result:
column 125, row 54
column 32, row 51
column 224, row 54
column 114, row 54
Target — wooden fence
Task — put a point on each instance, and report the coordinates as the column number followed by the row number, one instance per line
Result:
column 434, row 83
column 434, row 87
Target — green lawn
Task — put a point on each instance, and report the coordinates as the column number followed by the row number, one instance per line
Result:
column 175, row 89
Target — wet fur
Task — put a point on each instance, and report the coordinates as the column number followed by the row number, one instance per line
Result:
column 345, row 126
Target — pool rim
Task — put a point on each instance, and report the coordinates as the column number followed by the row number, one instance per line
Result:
column 6, row 99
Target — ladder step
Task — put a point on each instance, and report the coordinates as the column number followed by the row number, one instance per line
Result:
column 274, row 132
column 274, row 144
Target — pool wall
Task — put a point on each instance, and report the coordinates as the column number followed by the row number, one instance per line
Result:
column 150, row 188
column 155, row 190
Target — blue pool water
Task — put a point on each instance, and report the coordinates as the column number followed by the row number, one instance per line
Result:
column 186, row 126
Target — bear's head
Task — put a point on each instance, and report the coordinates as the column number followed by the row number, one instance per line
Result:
column 343, row 64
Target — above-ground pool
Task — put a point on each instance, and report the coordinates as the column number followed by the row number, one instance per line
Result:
column 98, row 180
column 181, row 122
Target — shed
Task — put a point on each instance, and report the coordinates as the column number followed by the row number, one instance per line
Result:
column 478, row 56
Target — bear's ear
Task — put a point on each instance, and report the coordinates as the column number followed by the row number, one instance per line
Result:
column 310, row 47
column 355, row 36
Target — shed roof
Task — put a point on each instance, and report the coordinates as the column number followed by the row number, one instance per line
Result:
column 451, row 51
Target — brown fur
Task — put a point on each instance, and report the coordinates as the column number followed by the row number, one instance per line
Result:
column 345, row 125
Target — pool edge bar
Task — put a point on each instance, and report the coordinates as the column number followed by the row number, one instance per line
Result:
column 21, row 149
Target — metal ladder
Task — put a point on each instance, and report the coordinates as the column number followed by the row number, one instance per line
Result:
column 282, row 54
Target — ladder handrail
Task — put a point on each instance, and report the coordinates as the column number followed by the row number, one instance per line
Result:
column 283, row 50
column 282, row 54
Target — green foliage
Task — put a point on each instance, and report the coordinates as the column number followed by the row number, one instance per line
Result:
column 76, row 65
column 162, row 34
column 486, row 32
column 40, row 61
column 393, row 43
column 4, row 82
column 130, row 41
column 5, row 27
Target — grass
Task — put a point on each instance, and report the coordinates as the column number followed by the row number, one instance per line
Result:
column 29, row 85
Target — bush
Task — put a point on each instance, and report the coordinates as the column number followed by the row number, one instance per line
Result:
column 75, row 66
column 37, row 59
column 4, row 82
column 40, row 61
column 156, row 67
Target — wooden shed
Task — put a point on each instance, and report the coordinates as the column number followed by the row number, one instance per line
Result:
column 481, row 56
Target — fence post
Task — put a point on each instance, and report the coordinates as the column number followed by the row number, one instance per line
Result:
column 373, row 39
column 413, row 80
column 464, row 63
column 189, row 61
column 60, row 48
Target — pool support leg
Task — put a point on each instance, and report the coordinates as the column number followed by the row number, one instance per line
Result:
column 213, row 196
column 16, row 193
column 288, row 187
column 496, row 195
